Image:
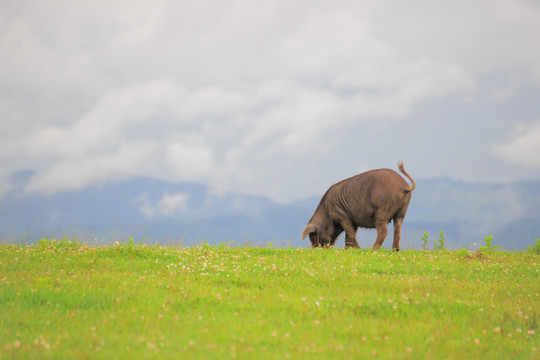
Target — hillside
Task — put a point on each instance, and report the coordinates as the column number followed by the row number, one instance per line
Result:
column 155, row 211
column 65, row 300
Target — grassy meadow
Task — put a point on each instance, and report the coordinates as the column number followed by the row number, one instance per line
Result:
column 64, row 300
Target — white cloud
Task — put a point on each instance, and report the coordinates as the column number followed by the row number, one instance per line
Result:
column 72, row 173
column 4, row 187
column 239, row 96
column 190, row 161
column 144, row 205
column 171, row 204
column 523, row 148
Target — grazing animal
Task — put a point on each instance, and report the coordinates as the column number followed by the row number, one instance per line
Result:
column 369, row 200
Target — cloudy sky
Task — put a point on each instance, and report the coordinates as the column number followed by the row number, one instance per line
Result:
column 273, row 98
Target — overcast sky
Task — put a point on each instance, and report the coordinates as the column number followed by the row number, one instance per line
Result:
column 273, row 98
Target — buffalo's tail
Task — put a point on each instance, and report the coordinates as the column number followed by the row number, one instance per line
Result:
column 402, row 169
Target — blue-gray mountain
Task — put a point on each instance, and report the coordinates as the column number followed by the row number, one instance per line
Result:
column 153, row 211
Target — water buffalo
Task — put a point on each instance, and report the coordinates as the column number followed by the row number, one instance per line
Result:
column 369, row 200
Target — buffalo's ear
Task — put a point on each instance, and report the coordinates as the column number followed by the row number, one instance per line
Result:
column 310, row 228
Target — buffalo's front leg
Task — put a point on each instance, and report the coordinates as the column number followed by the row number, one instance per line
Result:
column 337, row 232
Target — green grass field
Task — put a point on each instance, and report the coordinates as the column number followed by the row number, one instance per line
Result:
column 67, row 300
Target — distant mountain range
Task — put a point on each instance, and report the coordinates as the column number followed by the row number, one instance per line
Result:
column 153, row 211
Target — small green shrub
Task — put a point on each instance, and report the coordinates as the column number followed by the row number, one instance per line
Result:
column 130, row 243
column 535, row 248
column 463, row 253
column 425, row 238
column 439, row 243
column 62, row 244
column 488, row 247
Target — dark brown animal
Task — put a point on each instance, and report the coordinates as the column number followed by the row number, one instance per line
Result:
column 369, row 200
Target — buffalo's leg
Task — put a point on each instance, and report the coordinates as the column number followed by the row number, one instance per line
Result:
column 382, row 231
column 337, row 232
column 397, row 233
column 350, row 235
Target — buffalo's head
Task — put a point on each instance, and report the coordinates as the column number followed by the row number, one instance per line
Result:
column 321, row 236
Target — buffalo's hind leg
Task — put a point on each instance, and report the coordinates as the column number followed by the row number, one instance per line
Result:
column 397, row 233
column 350, row 235
column 382, row 231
